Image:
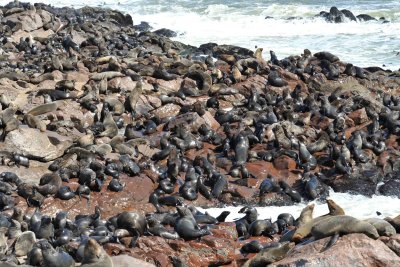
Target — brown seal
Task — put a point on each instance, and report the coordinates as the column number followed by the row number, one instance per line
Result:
column 95, row 256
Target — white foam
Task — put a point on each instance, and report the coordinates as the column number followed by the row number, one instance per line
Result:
column 358, row 206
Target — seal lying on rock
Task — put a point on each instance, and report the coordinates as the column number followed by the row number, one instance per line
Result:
column 341, row 225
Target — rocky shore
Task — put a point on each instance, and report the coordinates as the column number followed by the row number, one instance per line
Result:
column 113, row 133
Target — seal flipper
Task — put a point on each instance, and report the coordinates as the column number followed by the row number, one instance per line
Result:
column 331, row 242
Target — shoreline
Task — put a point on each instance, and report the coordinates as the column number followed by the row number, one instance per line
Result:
column 96, row 113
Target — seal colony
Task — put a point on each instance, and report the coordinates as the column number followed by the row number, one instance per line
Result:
column 107, row 107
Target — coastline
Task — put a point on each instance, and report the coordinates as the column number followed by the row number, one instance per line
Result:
column 114, row 113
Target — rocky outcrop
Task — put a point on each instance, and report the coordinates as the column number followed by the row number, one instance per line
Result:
column 349, row 249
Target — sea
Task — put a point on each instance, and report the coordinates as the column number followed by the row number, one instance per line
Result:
column 287, row 27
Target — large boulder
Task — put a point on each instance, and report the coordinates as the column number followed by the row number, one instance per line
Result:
column 34, row 144
column 349, row 250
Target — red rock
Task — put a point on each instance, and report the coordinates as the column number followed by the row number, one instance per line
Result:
column 225, row 230
column 114, row 248
column 359, row 116
column 349, row 249
column 134, row 197
column 284, row 163
column 210, row 121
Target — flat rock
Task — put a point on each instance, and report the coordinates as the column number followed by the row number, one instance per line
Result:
column 33, row 144
column 128, row 261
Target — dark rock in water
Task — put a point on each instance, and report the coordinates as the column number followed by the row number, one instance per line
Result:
column 348, row 14
column 390, row 188
column 365, row 17
column 142, row 27
column 165, row 32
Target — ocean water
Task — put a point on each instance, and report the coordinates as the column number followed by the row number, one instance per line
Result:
column 358, row 206
column 243, row 23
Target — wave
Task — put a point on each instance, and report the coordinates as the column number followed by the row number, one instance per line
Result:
column 358, row 206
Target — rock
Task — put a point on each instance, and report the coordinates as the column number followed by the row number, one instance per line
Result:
column 127, row 261
column 30, row 175
column 349, row 249
column 169, row 110
column 284, row 163
column 134, row 197
column 34, row 144
column 28, row 20
column 142, row 27
column 209, row 250
column 193, row 120
column 39, row 33
column 359, row 116
column 165, row 32
column 393, row 242
column 390, row 188
column 24, row 243
column 124, row 84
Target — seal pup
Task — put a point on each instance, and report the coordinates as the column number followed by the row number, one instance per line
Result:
column 95, row 256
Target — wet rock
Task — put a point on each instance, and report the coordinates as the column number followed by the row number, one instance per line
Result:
column 348, row 249
column 166, row 32
column 390, row 188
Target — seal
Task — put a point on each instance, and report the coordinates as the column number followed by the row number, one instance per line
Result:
column 275, row 80
column 383, row 227
column 395, row 222
column 306, row 215
column 45, row 108
column 253, row 246
column 132, row 222
column 154, row 227
column 306, row 160
column 243, row 224
column 186, row 225
column 335, row 226
column 52, row 258
column 95, row 256
column 223, row 215
column 111, row 128
column 261, row 227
